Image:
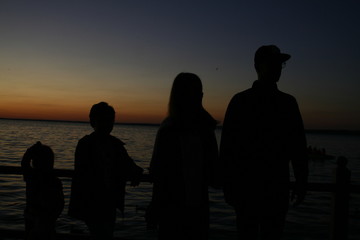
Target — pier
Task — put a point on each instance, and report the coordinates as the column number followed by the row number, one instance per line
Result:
column 341, row 190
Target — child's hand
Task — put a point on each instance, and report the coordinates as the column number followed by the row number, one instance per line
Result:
column 298, row 194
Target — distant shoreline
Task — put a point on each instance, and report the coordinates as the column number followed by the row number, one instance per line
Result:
column 310, row 131
column 71, row 121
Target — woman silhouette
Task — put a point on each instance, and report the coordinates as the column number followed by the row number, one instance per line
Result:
column 182, row 163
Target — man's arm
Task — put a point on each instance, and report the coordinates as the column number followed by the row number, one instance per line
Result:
column 228, row 136
column 299, row 160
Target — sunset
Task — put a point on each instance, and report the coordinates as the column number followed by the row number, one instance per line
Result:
column 60, row 57
column 273, row 168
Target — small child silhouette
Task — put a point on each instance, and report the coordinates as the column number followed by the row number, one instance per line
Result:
column 44, row 192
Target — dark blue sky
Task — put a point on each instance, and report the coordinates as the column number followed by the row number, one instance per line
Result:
column 59, row 57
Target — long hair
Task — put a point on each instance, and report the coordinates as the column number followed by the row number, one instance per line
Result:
column 186, row 100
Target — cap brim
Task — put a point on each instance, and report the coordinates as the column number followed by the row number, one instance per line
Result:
column 284, row 57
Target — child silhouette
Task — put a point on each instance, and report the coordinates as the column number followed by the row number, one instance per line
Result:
column 102, row 167
column 44, row 192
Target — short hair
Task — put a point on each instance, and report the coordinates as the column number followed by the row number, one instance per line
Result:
column 43, row 156
column 101, row 110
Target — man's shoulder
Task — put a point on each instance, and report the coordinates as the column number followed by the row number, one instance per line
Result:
column 242, row 94
column 251, row 94
column 286, row 96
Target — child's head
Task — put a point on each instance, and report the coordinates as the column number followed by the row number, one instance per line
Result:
column 102, row 117
column 42, row 157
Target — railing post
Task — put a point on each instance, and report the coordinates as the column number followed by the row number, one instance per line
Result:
column 340, row 211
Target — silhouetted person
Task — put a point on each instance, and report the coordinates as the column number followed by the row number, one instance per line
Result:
column 262, row 132
column 102, row 167
column 182, row 164
column 44, row 193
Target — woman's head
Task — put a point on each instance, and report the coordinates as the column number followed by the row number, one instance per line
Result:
column 186, row 95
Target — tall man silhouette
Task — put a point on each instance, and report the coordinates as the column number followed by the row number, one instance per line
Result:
column 262, row 132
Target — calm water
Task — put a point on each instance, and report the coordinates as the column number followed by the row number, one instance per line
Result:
column 309, row 221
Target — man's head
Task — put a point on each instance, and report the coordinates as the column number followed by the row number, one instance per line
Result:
column 269, row 62
column 102, row 117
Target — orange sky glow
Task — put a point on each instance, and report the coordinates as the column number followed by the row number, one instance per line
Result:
column 58, row 58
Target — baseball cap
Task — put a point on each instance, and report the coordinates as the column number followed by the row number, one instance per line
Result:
column 270, row 53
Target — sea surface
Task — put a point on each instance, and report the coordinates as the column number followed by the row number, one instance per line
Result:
column 309, row 221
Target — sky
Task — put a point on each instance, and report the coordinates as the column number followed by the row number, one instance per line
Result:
column 58, row 58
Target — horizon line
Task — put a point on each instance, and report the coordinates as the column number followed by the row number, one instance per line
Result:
column 327, row 131
column 74, row 121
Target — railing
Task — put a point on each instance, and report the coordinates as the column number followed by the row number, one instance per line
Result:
column 341, row 190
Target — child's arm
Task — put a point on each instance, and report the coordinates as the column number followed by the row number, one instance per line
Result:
column 133, row 171
column 136, row 173
column 25, row 163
